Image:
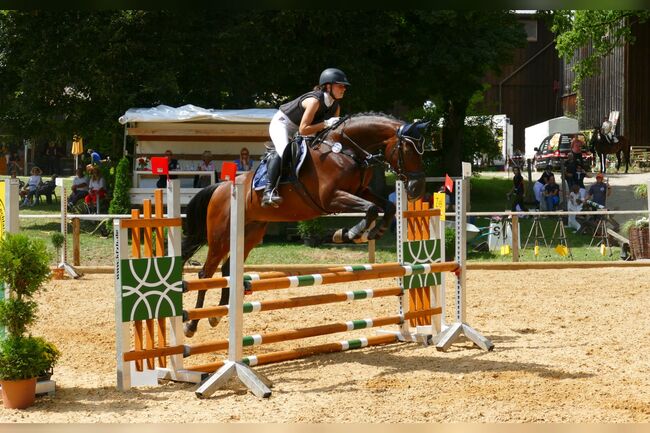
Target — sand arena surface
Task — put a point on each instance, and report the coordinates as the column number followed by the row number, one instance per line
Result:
column 571, row 346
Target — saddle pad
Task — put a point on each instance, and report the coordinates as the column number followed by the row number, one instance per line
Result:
column 259, row 179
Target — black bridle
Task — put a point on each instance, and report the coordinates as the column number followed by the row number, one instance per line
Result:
column 370, row 159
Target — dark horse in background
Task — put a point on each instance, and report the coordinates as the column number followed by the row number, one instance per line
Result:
column 334, row 178
column 601, row 147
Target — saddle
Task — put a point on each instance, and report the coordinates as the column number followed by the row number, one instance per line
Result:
column 292, row 159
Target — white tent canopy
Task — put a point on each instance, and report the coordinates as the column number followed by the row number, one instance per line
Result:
column 190, row 113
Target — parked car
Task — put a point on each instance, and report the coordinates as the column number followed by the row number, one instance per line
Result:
column 556, row 147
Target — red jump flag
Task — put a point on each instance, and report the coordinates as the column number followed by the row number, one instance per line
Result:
column 228, row 171
column 449, row 183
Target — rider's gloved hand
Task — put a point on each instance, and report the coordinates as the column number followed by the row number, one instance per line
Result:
column 331, row 121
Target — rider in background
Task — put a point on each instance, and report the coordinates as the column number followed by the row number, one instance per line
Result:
column 607, row 129
column 308, row 114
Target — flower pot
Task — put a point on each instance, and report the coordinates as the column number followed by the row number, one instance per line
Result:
column 18, row 394
column 58, row 273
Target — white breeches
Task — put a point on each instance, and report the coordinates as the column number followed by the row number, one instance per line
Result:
column 281, row 130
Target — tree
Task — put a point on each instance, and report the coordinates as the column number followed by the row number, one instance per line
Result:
column 76, row 72
column 603, row 29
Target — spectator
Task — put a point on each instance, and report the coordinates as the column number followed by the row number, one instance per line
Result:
column 96, row 187
column 15, row 163
column 599, row 191
column 538, row 190
column 570, row 170
column 206, row 164
column 580, row 179
column 244, row 163
column 95, row 157
column 172, row 165
column 551, row 194
column 33, row 182
column 576, row 148
column 52, row 157
column 574, row 204
column 79, row 187
column 548, row 172
column 518, row 191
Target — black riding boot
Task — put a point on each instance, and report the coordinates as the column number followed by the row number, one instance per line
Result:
column 273, row 168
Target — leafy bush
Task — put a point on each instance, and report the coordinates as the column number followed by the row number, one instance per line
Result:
column 311, row 228
column 450, row 244
column 23, row 264
column 17, row 314
column 121, row 202
column 26, row 357
column 641, row 223
column 641, row 191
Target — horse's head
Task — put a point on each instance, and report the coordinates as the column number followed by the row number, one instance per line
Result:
column 402, row 146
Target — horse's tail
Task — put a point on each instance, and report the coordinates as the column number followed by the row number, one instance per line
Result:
column 195, row 234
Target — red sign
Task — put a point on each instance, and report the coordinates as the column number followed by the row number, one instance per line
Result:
column 228, row 171
column 159, row 165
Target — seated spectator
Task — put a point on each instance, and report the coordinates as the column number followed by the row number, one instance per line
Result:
column 48, row 189
column 244, row 163
column 29, row 192
column 206, row 164
column 574, row 204
column 172, row 165
column 551, row 194
column 79, row 187
column 538, row 190
column 96, row 188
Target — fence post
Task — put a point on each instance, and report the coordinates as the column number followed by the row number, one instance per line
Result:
column 515, row 238
column 371, row 251
column 76, row 251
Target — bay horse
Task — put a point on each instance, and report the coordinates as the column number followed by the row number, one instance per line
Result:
column 602, row 147
column 334, row 178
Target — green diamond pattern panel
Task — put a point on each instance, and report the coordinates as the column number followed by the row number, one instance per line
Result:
column 152, row 288
column 417, row 252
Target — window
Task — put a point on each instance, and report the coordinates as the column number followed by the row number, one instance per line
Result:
column 530, row 26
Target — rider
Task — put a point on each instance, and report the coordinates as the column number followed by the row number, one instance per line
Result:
column 608, row 130
column 307, row 115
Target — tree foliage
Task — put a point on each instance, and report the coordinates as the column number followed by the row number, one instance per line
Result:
column 603, row 29
column 76, row 72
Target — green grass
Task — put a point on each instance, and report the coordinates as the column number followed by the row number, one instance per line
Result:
column 487, row 194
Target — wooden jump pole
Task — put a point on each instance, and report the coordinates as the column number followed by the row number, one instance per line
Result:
column 303, row 352
column 222, row 282
column 299, row 333
column 346, row 277
column 297, row 302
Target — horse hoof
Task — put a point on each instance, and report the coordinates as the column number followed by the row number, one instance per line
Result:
column 337, row 237
column 214, row 321
column 189, row 332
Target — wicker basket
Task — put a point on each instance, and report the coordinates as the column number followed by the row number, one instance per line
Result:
column 640, row 242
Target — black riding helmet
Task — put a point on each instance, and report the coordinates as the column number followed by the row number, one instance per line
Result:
column 333, row 75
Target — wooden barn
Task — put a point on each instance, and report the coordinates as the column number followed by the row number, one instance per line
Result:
column 623, row 85
column 528, row 89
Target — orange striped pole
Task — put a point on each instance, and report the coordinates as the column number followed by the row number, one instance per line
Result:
column 303, row 352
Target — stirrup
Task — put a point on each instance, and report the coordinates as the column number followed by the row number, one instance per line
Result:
column 271, row 198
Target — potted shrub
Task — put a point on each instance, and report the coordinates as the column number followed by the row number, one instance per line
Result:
column 23, row 358
column 57, row 239
column 311, row 231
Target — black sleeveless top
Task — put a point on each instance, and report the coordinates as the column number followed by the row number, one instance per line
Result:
column 294, row 109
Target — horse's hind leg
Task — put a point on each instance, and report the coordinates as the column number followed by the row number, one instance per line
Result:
column 209, row 268
column 254, row 233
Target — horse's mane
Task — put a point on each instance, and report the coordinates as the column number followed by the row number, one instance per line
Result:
column 373, row 114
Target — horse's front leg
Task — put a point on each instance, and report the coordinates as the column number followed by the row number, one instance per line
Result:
column 389, row 213
column 343, row 202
